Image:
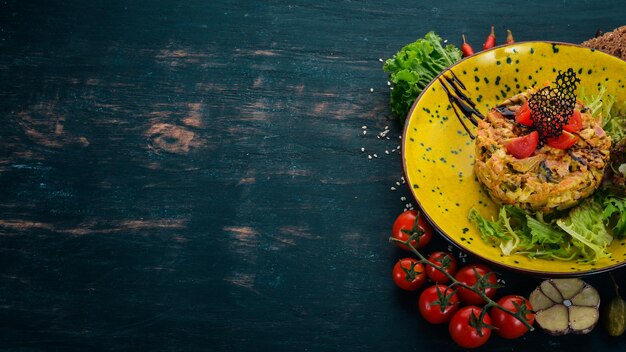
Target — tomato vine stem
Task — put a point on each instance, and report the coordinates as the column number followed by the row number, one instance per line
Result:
column 519, row 315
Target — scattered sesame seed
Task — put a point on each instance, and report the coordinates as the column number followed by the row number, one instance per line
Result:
column 386, row 127
column 397, row 183
column 362, row 149
column 386, row 152
column 400, row 137
column 375, row 155
column 364, row 132
column 369, row 157
column 371, row 89
column 393, row 188
column 381, row 60
column 445, row 41
column 364, row 127
column 403, row 198
column 390, row 88
column 388, row 83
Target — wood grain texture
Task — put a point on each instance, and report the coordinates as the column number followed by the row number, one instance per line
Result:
column 188, row 175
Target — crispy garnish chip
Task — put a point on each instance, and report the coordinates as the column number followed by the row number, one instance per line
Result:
column 552, row 106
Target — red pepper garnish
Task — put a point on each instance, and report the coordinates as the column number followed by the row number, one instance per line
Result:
column 466, row 48
column 509, row 37
column 491, row 40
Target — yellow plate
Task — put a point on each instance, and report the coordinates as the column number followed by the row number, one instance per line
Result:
column 438, row 154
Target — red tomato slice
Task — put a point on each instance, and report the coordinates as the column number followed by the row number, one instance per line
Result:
column 575, row 122
column 523, row 115
column 523, row 147
column 564, row 141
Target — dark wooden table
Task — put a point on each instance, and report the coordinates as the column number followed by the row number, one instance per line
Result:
column 188, row 175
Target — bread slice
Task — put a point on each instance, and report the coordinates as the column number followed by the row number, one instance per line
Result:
column 613, row 43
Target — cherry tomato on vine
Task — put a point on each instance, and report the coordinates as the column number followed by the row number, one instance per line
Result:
column 438, row 303
column 444, row 260
column 508, row 326
column 481, row 276
column 467, row 330
column 406, row 225
column 408, row 274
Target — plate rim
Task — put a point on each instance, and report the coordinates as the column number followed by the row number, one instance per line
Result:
column 531, row 272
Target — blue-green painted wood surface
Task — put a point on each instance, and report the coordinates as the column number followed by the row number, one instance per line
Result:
column 188, row 175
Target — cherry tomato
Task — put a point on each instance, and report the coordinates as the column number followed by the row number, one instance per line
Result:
column 479, row 275
column 467, row 330
column 575, row 122
column 408, row 274
column 522, row 147
column 508, row 326
column 439, row 259
column 564, row 141
column 438, row 303
column 523, row 115
column 405, row 226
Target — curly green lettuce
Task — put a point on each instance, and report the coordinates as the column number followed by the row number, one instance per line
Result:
column 612, row 112
column 583, row 234
column 414, row 67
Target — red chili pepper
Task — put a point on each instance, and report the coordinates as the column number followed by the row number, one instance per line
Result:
column 509, row 37
column 466, row 48
column 491, row 40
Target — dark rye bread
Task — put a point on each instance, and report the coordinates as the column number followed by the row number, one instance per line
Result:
column 613, row 43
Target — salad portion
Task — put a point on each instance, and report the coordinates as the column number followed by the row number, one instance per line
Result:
column 556, row 165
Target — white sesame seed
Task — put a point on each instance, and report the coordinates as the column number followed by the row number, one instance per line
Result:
column 386, row 137
column 386, row 152
column 364, row 132
column 400, row 137
column 364, row 127
column 397, row 183
column 386, row 127
column 381, row 60
column 393, row 188
column 375, row 155
column 388, row 83
column 403, row 198
column 369, row 157
column 371, row 89
column 390, row 88
column 445, row 41
column 362, row 149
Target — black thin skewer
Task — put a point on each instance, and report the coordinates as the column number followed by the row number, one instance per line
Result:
column 453, row 102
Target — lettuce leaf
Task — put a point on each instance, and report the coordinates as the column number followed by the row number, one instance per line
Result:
column 413, row 67
column 614, row 215
column 580, row 234
column 605, row 106
column 586, row 226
